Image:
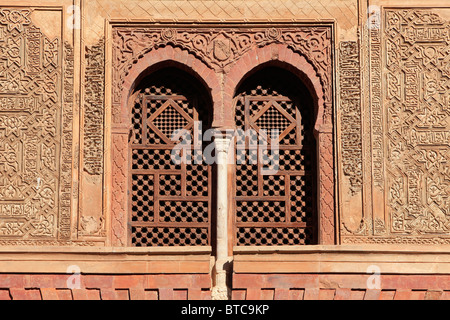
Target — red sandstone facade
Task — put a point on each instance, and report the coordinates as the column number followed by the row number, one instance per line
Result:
column 92, row 206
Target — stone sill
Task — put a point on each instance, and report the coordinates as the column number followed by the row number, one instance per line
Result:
column 390, row 259
column 105, row 260
column 107, row 250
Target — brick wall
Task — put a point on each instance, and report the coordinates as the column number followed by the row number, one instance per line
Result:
column 339, row 287
column 246, row 287
column 106, row 287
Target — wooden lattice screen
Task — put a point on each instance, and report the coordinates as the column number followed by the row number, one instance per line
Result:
column 170, row 202
column 275, row 209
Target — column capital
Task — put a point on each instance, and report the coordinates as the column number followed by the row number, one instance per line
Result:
column 222, row 144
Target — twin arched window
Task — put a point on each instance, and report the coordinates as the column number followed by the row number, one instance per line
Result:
column 171, row 203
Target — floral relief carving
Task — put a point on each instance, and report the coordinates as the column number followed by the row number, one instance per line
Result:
column 219, row 47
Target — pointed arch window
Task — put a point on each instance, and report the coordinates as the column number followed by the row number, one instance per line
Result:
column 169, row 199
column 279, row 207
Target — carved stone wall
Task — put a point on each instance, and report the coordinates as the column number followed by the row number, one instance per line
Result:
column 392, row 139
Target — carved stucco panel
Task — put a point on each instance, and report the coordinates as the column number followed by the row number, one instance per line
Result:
column 418, row 121
column 30, row 130
column 410, row 129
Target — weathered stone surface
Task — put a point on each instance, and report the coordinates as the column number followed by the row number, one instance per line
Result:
column 379, row 80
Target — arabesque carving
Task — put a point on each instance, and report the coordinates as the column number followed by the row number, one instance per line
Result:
column 219, row 48
column 32, row 174
column 418, row 121
column 410, row 123
column 94, row 108
column 350, row 113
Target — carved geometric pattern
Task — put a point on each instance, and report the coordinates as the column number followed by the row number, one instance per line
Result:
column 170, row 185
column 271, row 236
column 271, row 117
column 183, row 211
column 261, row 211
column 197, row 183
column 326, row 192
column 247, row 180
column 170, row 203
column 142, row 191
column 35, row 132
column 169, row 236
column 276, row 208
column 169, row 120
column 119, row 192
column 418, row 121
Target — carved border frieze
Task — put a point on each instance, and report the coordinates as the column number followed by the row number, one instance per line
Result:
column 350, row 113
column 219, row 48
column 94, row 108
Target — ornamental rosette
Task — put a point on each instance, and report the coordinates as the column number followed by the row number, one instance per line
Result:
column 273, row 34
column 168, row 34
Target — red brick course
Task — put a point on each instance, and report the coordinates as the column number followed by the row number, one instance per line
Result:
column 245, row 287
column 342, row 287
column 105, row 287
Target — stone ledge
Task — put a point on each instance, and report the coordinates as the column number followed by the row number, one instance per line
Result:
column 343, row 259
column 388, row 249
column 107, row 250
column 105, row 260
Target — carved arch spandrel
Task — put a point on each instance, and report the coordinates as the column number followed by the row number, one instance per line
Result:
column 218, row 48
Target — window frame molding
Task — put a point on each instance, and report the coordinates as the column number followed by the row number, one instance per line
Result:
column 316, row 71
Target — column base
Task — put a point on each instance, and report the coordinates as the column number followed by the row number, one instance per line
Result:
column 220, row 293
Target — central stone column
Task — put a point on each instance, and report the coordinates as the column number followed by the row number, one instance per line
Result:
column 220, row 290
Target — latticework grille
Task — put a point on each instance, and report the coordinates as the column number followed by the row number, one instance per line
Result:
column 275, row 208
column 170, row 201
